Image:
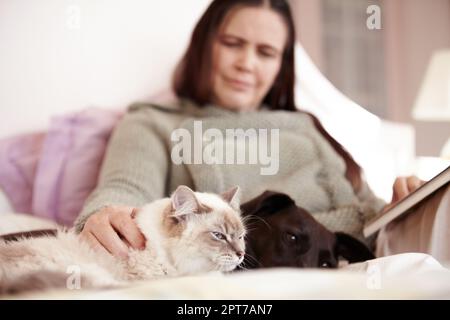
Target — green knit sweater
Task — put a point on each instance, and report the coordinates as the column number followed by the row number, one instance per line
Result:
column 138, row 167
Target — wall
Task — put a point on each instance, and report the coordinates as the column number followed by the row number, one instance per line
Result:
column 308, row 23
column 62, row 55
column 412, row 30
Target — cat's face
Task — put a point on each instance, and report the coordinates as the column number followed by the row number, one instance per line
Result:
column 210, row 231
column 219, row 237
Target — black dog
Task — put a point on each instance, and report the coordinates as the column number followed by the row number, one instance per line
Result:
column 282, row 234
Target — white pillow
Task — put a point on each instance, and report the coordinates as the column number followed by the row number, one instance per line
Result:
column 383, row 149
column 5, row 206
column 18, row 222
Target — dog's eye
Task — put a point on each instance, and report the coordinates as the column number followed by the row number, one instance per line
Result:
column 218, row 235
column 291, row 237
column 325, row 265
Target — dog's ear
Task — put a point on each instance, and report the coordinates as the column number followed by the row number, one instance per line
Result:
column 351, row 249
column 267, row 203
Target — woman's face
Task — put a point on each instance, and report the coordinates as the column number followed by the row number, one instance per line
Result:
column 246, row 57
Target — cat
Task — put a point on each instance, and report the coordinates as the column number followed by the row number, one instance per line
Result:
column 187, row 233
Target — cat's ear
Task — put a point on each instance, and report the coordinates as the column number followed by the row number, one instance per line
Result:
column 184, row 202
column 232, row 197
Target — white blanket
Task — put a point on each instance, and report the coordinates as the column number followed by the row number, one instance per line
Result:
column 403, row 276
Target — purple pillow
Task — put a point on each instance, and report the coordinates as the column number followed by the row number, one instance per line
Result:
column 19, row 156
column 70, row 162
column 51, row 174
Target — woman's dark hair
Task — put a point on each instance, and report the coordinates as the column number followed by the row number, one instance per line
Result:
column 192, row 75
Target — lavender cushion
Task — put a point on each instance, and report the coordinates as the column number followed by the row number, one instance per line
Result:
column 70, row 161
column 51, row 174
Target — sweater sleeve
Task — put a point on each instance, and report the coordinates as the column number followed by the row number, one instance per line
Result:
column 351, row 219
column 371, row 205
column 134, row 169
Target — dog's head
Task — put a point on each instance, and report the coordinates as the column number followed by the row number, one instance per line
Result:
column 283, row 234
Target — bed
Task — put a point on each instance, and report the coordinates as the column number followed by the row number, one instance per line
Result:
column 404, row 276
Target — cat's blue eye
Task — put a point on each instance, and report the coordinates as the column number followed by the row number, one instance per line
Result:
column 218, row 235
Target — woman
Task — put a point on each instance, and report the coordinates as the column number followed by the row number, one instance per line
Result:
column 238, row 72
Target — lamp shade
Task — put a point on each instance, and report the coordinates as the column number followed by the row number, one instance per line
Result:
column 433, row 100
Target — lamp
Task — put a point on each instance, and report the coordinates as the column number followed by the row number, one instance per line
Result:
column 433, row 100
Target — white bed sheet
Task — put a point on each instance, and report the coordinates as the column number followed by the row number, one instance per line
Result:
column 402, row 276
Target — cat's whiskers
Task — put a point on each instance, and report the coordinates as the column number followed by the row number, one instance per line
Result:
column 248, row 230
column 243, row 266
column 261, row 219
column 249, row 218
column 253, row 259
column 248, row 221
column 226, row 262
column 225, row 258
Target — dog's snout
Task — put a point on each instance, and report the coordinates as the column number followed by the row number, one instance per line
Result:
column 240, row 254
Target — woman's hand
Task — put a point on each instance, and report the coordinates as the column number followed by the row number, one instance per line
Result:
column 112, row 229
column 402, row 187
